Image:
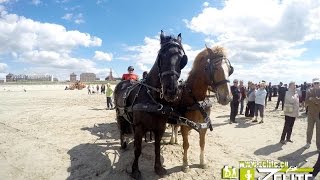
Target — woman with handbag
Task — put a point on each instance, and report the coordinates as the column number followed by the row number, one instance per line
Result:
column 291, row 112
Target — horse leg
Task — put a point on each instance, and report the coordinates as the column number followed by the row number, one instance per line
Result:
column 157, row 166
column 138, row 134
column 172, row 134
column 185, row 132
column 202, row 144
column 123, row 143
column 176, row 128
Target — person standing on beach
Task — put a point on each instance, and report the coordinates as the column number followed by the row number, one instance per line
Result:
column 103, row 88
column 303, row 95
column 243, row 96
column 98, row 88
column 260, row 102
column 292, row 99
column 313, row 103
column 281, row 93
column 270, row 91
column 109, row 93
column 234, row 104
column 251, row 97
column 89, row 89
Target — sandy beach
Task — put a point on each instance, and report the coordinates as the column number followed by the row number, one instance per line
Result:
column 49, row 133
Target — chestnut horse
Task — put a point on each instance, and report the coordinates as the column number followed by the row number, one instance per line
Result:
column 146, row 105
column 211, row 69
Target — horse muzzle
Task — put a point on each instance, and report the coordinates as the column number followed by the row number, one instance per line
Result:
column 171, row 95
column 224, row 100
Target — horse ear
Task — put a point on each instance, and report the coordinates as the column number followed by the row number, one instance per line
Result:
column 210, row 51
column 184, row 61
column 179, row 38
column 161, row 36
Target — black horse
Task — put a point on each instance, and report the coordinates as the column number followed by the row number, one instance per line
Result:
column 145, row 105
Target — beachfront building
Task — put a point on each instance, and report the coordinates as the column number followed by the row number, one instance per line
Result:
column 22, row 77
column 87, row 77
column 9, row 77
column 73, row 77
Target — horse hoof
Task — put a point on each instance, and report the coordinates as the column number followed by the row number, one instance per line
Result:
column 160, row 171
column 203, row 166
column 124, row 145
column 136, row 175
column 185, row 169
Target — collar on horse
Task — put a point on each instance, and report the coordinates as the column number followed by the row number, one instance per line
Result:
column 200, row 107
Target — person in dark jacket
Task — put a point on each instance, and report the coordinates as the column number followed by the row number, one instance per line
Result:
column 269, row 90
column 243, row 96
column 234, row 104
column 281, row 94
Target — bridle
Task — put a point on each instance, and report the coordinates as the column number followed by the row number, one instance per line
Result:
column 214, row 61
column 171, row 43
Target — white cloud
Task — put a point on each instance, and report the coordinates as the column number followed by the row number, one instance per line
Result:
column 4, row 1
column 205, row 4
column 67, row 16
column 261, row 34
column 44, row 46
column 36, row 2
column 103, row 56
column 19, row 34
column 78, row 18
column 3, row 67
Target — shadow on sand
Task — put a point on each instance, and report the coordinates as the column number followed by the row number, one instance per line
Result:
column 297, row 158
column 244, row 122
column 104, row 159
column 269, row 149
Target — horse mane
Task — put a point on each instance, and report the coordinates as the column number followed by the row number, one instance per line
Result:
column 201, row 59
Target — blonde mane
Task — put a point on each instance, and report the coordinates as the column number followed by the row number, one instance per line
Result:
column 201, row 60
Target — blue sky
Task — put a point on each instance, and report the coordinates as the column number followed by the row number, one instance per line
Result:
column 265, row 40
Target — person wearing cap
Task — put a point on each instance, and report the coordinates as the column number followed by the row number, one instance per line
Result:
column 313, row 103
column 260, row 98
column 291, row 98
column 109, row 93
column 234, row 104
column 130, row 75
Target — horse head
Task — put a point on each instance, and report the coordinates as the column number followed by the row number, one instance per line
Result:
column 171, row 59
column 219, row 69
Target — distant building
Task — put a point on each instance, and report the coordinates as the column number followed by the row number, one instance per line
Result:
column 9, row 77
column 22, row 77
column 110, row 77
column 73, row 77
column 87, row 77
column 55, row 79
column 2, row 81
